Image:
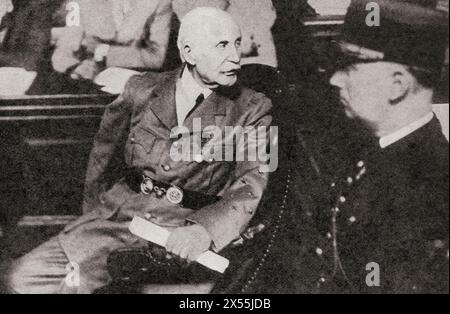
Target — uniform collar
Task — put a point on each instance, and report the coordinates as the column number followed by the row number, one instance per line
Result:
column 392, row 138
column 191, row 88
column 162, row 101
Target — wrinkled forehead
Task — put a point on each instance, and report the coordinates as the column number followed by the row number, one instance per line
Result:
column 213, row 31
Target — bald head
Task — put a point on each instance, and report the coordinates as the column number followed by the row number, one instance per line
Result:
column 182, row 7
column 209, row 41
column 201, row 21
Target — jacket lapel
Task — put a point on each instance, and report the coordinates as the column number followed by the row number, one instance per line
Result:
column 163, row 104
column 213, row 107
column 162, row 100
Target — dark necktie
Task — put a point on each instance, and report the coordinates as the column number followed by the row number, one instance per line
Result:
column 199, row 100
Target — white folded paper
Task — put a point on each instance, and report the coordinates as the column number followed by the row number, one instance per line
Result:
column 330, row 7
column 159, row 236
column 114, row 80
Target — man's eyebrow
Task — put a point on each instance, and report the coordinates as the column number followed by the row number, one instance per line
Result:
column 225, row 42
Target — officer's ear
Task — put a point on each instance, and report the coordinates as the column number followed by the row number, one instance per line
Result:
column 402, row 85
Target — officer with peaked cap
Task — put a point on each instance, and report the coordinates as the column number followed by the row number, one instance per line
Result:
column 383, row 225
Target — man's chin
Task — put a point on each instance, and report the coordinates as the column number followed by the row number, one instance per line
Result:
column 228, row 81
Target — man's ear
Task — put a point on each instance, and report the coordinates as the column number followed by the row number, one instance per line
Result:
column 188, row 56
column 401, row 86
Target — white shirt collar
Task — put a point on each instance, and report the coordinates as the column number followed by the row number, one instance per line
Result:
column 392, row 138
column 187, row 93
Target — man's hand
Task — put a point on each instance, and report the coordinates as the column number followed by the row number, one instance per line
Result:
column 89, row 43
column 62, row 60
column 189, row 242
column 87, row 70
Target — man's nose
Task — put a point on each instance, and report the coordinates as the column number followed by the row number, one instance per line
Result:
column 235, row 55
column 338, row 79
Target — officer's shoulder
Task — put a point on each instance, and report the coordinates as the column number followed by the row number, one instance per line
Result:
column 143, row 81
column 139, row 87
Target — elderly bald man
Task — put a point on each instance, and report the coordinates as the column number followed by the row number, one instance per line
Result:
column 256, row 19
column 131, row 166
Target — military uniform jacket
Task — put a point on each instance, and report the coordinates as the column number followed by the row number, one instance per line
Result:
column 390, row 230
column 135, row 134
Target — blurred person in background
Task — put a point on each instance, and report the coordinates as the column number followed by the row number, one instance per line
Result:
column 115, row 33
column 25, row 35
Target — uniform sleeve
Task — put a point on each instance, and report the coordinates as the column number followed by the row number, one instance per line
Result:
column 107, row 156
column 150, row 51
column 227, row 219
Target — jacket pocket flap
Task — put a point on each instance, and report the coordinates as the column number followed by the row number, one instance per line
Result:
column 143, row 138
